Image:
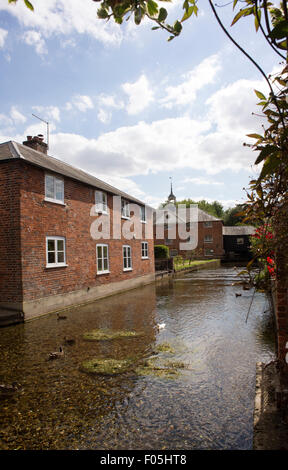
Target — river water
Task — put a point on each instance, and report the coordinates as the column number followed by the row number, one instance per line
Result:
column 208, row 405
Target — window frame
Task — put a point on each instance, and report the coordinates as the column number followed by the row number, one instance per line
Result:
column 210, row 240
column 56, row 251
column 103, row 203
column 102, row 246
column 54, row 199
column 125, row 208
column 144, row 251
column 208, row 224
column 129, row 257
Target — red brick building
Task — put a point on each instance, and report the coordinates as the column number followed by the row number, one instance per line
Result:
column 172, row 226
column 67, row 238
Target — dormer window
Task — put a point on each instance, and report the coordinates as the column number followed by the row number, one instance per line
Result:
column 125, row 209
column 54, row 189
column 101, row 202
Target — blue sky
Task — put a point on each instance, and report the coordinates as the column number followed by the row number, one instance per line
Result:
column 130, row 107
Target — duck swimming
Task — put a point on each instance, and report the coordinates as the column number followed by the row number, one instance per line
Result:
column 61, row 317
column 56, row 354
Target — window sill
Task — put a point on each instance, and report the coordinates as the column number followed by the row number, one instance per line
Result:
column 55, row 201
column 62, row 265
column 144, row 257
column 143, row 221
column 102, row 272
column 127, row 269
column 124, row 217
column 101, row 212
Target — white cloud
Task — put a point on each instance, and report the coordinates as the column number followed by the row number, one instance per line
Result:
column 110, row 102
column 3, row 35
column 211, row 145
column 34, row 38
column 203, row 181
column 65, row 18
column 16, row 116
column 80, row 102
column 185, row 93
column 48, row 112
column 139, row 93
column 104, row 116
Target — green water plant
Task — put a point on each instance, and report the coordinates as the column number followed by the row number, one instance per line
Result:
column 106, row 334
column 107, row 366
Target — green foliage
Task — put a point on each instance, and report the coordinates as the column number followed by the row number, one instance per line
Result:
column 161, row 252
column 27, row 3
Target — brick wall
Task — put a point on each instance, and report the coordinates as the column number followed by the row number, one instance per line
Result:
column 26, row 220
column 40, row 218
column 216, row 244
column 10, row 258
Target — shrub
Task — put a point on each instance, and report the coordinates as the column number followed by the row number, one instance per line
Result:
column 161, row 252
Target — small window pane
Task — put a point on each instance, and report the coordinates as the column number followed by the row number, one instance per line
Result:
column 51, row 245
column 60, row 245
column 60, row 257
column 59, row 190
column 49, row 186
column 51, row 257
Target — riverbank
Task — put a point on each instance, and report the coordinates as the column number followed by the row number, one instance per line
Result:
column 194, row 266
column 270, row 429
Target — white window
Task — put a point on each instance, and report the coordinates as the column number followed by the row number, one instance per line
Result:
column 102, row 259
column 144, row 249
column 208, row 239
column 208, row 224
column 208, row 252
column 55, row 252
column 127, row 260
column 143, row 213
column 125, row 209
column 54, row 189
column 101, row 201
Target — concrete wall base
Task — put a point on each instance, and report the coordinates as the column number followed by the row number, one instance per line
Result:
column 29, row 310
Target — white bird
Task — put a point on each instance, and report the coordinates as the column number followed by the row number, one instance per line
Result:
column 160, row 326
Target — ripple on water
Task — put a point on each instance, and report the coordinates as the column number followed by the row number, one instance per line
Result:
column 208, row 405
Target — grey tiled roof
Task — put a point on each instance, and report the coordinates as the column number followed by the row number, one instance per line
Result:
column 174, row 217
column 11, row 150
column 239, row 230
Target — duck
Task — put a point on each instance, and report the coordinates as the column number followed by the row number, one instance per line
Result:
column 160, row 326
column 56, row 354
column 238, row 295
column 69, row 341
column 61, row 317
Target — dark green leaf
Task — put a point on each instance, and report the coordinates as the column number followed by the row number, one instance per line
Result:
column 178, row 27
column 280, row 31
column 152, row 7
column 162, row 15
column 265, row 152
column 270, row 166
column 29, row 5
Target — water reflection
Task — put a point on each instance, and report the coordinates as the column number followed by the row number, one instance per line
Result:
column 209, row 406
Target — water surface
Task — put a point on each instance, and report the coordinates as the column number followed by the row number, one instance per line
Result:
column 208, row 406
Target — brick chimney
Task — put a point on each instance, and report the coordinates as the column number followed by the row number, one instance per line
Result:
column 36, row 143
